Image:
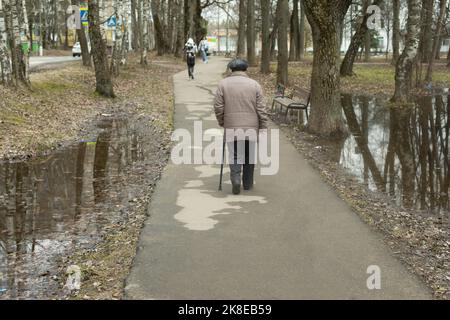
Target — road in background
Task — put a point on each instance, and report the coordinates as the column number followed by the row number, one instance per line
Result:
column 58, row 61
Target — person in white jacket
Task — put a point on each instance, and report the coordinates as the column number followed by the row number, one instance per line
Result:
column 191, row 50
column 190, row 46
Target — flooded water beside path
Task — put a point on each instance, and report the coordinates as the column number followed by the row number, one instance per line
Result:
column 51, row 206
column 400, row 151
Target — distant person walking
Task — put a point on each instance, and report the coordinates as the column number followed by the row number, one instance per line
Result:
column 191, row 64
column 239, row 105
column 191, row 50
column 204, row 49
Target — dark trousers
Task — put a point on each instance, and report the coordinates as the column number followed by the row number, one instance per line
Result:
column 191, row 71
column 242, row 163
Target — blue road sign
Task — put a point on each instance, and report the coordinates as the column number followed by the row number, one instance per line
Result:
column 112, row 22
column 84, row 15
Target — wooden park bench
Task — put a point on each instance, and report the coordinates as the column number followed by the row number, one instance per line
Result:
column 299, row 99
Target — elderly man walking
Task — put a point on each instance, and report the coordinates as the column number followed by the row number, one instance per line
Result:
column 239, row 106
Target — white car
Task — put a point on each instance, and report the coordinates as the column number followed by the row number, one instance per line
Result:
column 76, row 50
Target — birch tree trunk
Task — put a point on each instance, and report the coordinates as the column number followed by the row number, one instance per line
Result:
column 16, row 22
column 5, row 63
column 145, row 35
column 405, row 64
column 24, row 29
column 118, row 43
column 126, row 37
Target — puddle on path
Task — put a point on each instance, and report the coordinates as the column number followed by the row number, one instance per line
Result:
column 53, row 205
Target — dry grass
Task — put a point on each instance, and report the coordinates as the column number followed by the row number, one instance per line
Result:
column 61, row 104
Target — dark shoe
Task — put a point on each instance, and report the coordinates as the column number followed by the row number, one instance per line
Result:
column 236, row 189
column 247, row 177
column 235, row 177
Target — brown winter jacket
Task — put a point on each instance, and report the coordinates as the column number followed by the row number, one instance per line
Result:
column 239, row 103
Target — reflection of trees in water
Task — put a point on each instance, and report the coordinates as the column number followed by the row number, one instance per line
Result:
column 100, row 162
column 402, row 140
column 361, row 135
column 42, row 202
column 414, row 167
column 431, row 142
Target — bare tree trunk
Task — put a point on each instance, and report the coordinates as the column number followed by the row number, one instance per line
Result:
column 438, row 51
column 139, row 23
column 426, row 41
column 294, row 30
column 265, row 52
column 367, row 45
column 24, row 31
column 326, row 19
column 8, row 16
column 145, row 35
column 199, row 22
column 405, row 64
column 273, row 39
column 104, row 84
column 5, row 64
column 17, row 25
column 448, row 57
column 189, row 7
column 439, row 25
column 81, row 35
column 242, row 28
column 159, row 32
column 251, row 54
column 117, row 55
column 396, row 31
column 135, row 24
column 170, row 26
column 282, row 18
column 180, row 29
column 356, row 42
column 301, row 34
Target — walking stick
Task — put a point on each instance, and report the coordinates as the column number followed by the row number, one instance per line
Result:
column 223, row 161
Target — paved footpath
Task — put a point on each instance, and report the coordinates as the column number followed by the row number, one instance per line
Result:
column 289, row 238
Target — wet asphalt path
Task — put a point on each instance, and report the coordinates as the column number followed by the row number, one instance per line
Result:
column 291, row 237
